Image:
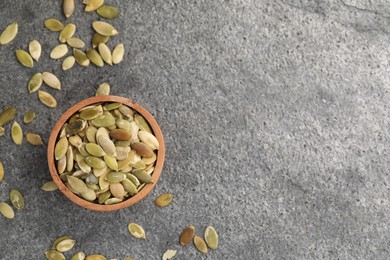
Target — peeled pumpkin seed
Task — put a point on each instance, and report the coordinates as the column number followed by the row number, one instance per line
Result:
column 150, row 160
column 143, row 176
column 35, row 49
column 142, row 123
column 102, row 132
column 49, row 186
column 1, row 172
column 112, row 106
column 117, row 190
column 107, row 145
column 121, row 152
column 136, row 230
column 92, row 5
column 111, row 162
column 91, row 134
column 95, row 57
column 169, row 254
column 126, row 111
column 133, row 179
column 103, row 197
column 61, row 165
column 68, row 7
column 2, row 130
column 69, row 159
column 55, row 243
column 35, row 82
column 29, row 117
column 59, row 51
column 129, row 187
column 16, row 199
column 68, row 63
column 98, row 38
column 54, row 25
column 142, row 149
column 150, row 170
column 61, row 148
column 148, row 139
column 187, row 235
column 200, row 244
column 96, row 257
column 75, row 43
column 118, row 53
column 75, row 141
column 103, row 184
column 107, row 11
column 6, row 210
column 163, row 200
column 77, row 184
column 34, row 139
column 120, row 134
column 111, row 201
column 115, row 177
column 7, row 115
column 9, row 33
column 17, row 133
column 211, row 237
column 89, row 114
column 67, row 32
column 24, row 58
column 76, row 127
column 95, row 162
column 81, row 58
column 78, row 256
column 105, row 53
column 94, row 149
column 65, row 245
column 104, row 28
column 54, row 255
column 51, row 80
column 89, row 195
column 103, row 90
column 47, row 99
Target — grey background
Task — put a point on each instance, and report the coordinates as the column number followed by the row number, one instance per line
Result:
column 275, row 116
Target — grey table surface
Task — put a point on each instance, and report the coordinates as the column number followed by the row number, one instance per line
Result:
column 275, row 117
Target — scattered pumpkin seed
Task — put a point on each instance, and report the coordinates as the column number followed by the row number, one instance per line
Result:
column 29, row 117
column 24, row 58
column 1, row 172
column 128, row 258
column 200, row 244
column 163, row 200
column 108, row 11
column 75, row 43
column 103, row 90
column 169, row 254
column 211, row 237
column 49, row 186
column 68, row 7
column 98, row 38
column 78, row 256
column 59, row 51
column 2, row 130
column 92, row 5
column 9, row 33
column 81, row 58
column 95, row 57
column 6, row 210
column 35, row 49
column 136, row 230
column 104, row 28
column 96, row 257
column 47, row 99
column 58, row 240
column 118, row 53
column 187, row 235
column 51, row 80
column 68, row 63
column 105, row 53
column 54, row 255
column 16, row 199
column 17, row 133
column 54, row 25
column 67, row 32
column 7, row 115
column 35, row 82
column 65, row 245
column 34, row 139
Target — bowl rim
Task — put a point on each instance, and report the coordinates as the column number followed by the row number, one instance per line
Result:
column 128, row 202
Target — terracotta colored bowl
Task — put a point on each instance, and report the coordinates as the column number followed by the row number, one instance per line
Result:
column 126, row 203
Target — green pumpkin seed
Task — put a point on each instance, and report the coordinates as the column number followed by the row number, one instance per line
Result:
column 77, row 184
column 104, row 196
column 61, row 165
column 54, row 25
column 104, row 28
column 68, row 7
column 89, row 114
column 115, row 177
column 103, row 90
column 51, row 80
column 98, row 38
column 112, row 201
column 211, row 237
column 68, row 63
column 54, row 255
column 7, row 115
column 61, row 148
column 29, row 117
column 105, row 53
column 117, row 190
column 2, row 130
column 55, row 243
column 118, row 53
column 104, row 120
column 67, row 32
column 107, row 11
column 59, row 51
column 35, row 82
column 187, row 235
column 149, row 160
column 16, row 199
column 148, row 139
column 89, row 195
column 69, row 159
column 76, row 127
column 17, row 133
column 1, row 172
column 91, row 134
column 95, row 57
column 163, row 200
column 75, row 141
column 127, row 111
column 94, row 149
column 112, row 106
column 95, row 162
column 120, row 134
column 49, row 186
column 83, row 151
column 142, row 149
column 111, row 162
column 122, row 152
column 81, row 58
column 35, row 49
column 169, row 254
column 6, row 210
column 133, row 179
column 47, row 99
column 129, row 187
column 34, row 139
column 64, row 176
column 9, row 33
column 78, row 256
column 92, row 5
column 24, row 58
column 200, row 244
column 75, row 43
column 136, row 230
column 143, row 176
column 65, row 245
column 142, row 123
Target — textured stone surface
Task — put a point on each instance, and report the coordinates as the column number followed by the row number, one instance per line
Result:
column 274, row 115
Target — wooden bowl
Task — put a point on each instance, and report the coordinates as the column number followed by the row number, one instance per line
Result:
column 126, row 203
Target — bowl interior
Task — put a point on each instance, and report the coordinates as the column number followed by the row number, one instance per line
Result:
column 128, row 202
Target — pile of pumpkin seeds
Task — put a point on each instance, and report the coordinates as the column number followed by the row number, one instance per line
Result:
column 106, row 153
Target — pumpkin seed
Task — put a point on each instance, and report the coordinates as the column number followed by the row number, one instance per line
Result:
column 112, row 106
column 133, row 179
column 75, row 43
column 2, row 130
column 142, row 123
column 6, row 210
column 129, row 187
column 9, row 33
column 47, row 99
column 150, row 160
column 59, row 51
column 69, row 159
column 200, row 244
column 104, row 196
column 61, row 148
column 1, row 172
column 68, row 63
column 136, row 230
column 29, row 117
column 94, row 149
column 115, row 177
column 169, row 254
column 55, row 243
column 117, row 190
column 77, row 184
column 67, row 32
column 54, row 25
column 16, row 199
column 98, row 38
column 7, row 115
column 65, row 245
column 163, row 200
column 95, row 162
column 81, row 58
column 68, row 7
column 107, row 11
column 54, row 255
column 78, row 256
column 92, row 5
column 105, row 53
column 71, row 189
column 143, row 176
column 142, row 149
column 187, row 235
column 94, row 57
column 51, row 80
column 111, row 201
column 148, row 139
column 103, row 90
column 35, row 49
column 104, row 28
column 49, row 186
column 61, row 165
column 111, row 162
column 104, row 120
column 24, row 58
column 92, row 179
column 76, row 127
column 118, row 53
column 122, row 152
column 126, row 111
column 211, row 237
column 75, row 141
column 89, row 195
column 103, row 184
column 35, row 82
column 34, row 139
column 17, row 133
column 120, row 134
column 102, row 132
